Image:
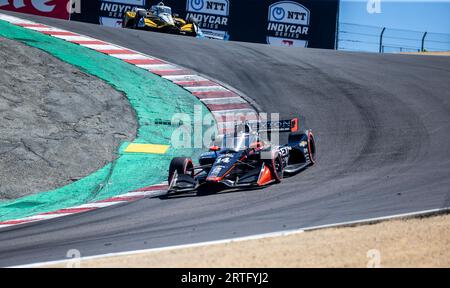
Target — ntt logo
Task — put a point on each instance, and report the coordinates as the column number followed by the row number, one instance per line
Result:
column 214, row 7
column 197, row 4
column 289, row 12
column 278, row 13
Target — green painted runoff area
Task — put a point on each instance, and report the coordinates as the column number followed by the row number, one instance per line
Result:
column 155, row 101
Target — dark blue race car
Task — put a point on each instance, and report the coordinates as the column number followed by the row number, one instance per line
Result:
column 243, row 159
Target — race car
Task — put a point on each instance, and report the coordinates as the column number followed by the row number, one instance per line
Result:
column 160, row 18
column 244, row 160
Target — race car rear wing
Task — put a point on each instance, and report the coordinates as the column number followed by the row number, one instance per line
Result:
column 291, row 125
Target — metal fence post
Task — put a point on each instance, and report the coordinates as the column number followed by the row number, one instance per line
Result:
column 381, row 38
column 423, row 42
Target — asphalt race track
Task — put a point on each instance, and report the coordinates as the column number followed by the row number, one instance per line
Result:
column 382, row 128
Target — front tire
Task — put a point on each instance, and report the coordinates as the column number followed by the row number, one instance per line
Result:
column 181, row 165
column 276, row 166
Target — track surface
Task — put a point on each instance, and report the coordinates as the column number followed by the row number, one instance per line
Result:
column 381, row 123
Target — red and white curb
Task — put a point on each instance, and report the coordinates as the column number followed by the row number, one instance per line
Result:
column 152, row 191
column 226, row 105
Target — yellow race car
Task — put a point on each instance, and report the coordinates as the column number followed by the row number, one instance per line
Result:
column 160, row 18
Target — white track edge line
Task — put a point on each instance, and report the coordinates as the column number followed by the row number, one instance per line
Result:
column 240, row 239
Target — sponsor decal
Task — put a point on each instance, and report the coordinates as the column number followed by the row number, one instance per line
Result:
column 288, row 24
column 284, row 151
column 223, row 159
column 112, row 11
column 282, row 125
column 215, row 171
column 49, row 8
column 303, row 144
column 211, row 15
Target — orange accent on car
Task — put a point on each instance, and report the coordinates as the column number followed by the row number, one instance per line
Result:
column 265, row 177
column 214, row 148
column 294, row 125
column 256, row 145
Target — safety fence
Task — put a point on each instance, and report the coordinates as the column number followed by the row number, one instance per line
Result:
column 357, row 37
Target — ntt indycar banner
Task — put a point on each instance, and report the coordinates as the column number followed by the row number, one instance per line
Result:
column 292, row 23
column 288, row 24
column 106, row 12
column 112, row 11
column 296, row 23
column 212, row 16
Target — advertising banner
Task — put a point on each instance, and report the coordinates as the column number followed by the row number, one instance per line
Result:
column 49, row 8
column 212, row 16
column 112, row 11
column 295, row 23
column 292, row 23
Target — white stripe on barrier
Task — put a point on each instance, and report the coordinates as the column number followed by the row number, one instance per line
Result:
column 179, row 78
column 158, row 67
column 96, row 205
column 130, row 56
column 228, row 100
column 207, row 89
column 71, row 38
column 244, row 111
column 46, row 29
column 141, row 193
column 45, row 216
column 101, row 47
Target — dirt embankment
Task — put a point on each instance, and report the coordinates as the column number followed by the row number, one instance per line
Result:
column 57, row 124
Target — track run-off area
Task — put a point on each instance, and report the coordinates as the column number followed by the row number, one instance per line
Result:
column 381, row 123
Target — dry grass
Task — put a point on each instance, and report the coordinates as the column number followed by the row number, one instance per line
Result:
column 444, row 53
column 401, row 243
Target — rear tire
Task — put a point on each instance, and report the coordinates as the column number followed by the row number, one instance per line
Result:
column 191, row 20
column 311, row 148
column 182, row 165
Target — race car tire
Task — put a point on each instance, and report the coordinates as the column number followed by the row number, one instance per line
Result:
column 276, row 166
column 141, row 13
column 311, row 148
column 191, row 20
column 182, row 165
column 297, row 137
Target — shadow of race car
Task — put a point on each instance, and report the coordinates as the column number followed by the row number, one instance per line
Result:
column 244, row 160
column 160, row 18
